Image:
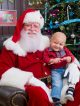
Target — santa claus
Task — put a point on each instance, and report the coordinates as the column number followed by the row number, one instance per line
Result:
column 21, row 61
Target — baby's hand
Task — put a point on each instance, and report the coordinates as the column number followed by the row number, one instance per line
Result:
column 54, row 61
column 67, row 59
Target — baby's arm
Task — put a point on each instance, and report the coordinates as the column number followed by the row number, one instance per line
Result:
column 69, row 56
column 68, row 59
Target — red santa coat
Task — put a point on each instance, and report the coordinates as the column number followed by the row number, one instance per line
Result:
column 32, row 62
column 29, row 62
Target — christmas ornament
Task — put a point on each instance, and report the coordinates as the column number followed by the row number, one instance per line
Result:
column 46, row 11
column 62, row 28
column 56, row 22
column 73, row 35
column 11, row 1
column 68, row 8
column 54, row 12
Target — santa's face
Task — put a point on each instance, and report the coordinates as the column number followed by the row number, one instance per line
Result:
column 30, row 42
column 32, row 28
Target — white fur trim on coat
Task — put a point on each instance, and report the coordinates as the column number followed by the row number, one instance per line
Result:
column 15, row 77
column 15, row 47
column 18, row 78
column 36, row 82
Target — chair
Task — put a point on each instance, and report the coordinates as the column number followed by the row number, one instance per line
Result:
column 11, row 96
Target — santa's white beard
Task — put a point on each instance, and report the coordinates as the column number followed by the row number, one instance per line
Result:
column 30, row 43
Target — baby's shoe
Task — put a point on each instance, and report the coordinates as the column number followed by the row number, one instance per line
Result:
column 69, row 94
column 57, row 103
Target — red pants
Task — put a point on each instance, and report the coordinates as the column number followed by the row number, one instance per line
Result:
column 37, row 97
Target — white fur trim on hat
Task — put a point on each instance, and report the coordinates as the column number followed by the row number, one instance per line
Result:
column 34, row 17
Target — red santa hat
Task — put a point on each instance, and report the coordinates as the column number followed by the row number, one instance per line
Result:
column 29, row 15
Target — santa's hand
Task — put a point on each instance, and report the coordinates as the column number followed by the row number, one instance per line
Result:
column 74, row 73
column 77, row 63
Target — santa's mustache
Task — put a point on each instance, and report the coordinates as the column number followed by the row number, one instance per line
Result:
column 31, row 34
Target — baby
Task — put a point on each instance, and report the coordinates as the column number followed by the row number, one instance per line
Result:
column 58, row 56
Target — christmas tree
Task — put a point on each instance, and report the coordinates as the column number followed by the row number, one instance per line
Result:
column 63, row 15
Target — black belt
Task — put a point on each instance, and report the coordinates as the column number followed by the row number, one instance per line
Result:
column 46, row 80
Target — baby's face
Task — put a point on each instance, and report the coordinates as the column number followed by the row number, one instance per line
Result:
column 58, row 43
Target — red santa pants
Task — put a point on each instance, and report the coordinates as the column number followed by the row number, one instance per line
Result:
column 37, row 96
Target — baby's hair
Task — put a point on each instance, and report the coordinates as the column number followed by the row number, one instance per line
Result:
column 57, row 34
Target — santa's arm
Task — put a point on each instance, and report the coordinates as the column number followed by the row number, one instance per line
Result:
column 12, row 76
column 9, row 72
column 7, row 60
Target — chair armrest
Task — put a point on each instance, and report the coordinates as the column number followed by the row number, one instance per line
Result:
column 12, row 96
